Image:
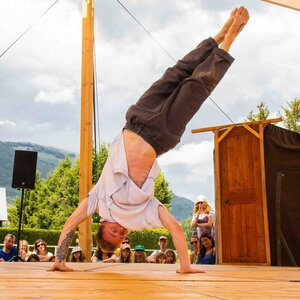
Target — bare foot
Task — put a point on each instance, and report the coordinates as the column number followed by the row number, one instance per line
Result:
column 241, row 18
column 220, row 36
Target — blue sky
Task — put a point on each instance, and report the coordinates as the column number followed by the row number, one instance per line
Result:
column 40, row 75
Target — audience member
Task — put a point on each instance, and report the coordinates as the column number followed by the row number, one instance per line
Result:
column 207, row 250
column 104, row 256
column 171, row 256
column 161, row 258
column 125, row 254
column 163, row 245
column 9, row 251
column 195, row 243
column 139, row 254
column 77, row 255
column 40, row 248
column 24, row 252
column 202, row 218
column 126, row 240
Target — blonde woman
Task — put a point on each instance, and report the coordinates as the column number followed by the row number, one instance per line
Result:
column 24, row 252
column 202, row 218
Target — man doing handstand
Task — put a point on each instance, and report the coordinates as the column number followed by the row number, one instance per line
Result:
column 124, row 193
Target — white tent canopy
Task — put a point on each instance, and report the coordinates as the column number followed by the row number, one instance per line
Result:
column 3, row 206
column 294, row 4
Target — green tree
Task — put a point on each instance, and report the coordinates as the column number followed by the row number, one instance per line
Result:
column 262, row 114
column 162, row 190
column 291, row 115
column 187, row 228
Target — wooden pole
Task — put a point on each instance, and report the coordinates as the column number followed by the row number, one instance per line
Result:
column 86, row 127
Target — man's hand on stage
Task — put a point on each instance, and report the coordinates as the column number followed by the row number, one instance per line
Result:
column 188, row 271
column 60, row 267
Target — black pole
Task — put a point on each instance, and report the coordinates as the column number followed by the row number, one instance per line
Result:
column 16, row 258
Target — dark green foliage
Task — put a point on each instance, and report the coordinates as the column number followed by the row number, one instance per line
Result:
column 291, row 115
column 162, row 191
column 262, row 114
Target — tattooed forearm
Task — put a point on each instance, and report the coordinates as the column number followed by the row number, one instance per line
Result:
column 62, row 250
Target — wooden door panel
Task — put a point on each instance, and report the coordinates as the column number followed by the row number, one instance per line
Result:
column 241, row 198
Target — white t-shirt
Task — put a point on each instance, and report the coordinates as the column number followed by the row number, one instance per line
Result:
column 118, row 199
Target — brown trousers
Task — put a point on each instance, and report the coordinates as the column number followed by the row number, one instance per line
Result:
column 163, row 111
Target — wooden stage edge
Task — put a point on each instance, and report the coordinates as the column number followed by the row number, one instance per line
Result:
column 147, row 281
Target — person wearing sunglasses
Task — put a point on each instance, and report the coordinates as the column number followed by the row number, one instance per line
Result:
column 195, row 244
column 40, row 249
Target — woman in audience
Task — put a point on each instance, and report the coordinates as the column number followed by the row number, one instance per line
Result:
column 195, row 243
column 77, row 255
column 24, row 252
column 161, row 258
column 207, row 250
column 103, row 256
column 139, row 254
column 202, row 219
column 125, row 254
column 171, row 256
column 40, row 248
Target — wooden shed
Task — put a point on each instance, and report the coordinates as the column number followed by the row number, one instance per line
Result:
column 240, row 189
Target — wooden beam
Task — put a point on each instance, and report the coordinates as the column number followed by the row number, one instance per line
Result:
column 264, row 194
column 251, row 130
column 218, row 199
column 293, row 4
column 86, row 124
column 276, row 120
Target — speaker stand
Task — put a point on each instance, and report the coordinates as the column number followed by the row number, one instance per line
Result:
column 17, row 257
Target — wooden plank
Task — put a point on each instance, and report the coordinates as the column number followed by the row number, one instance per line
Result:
column 264, row 195
column 218, row 220
column 147, row 281
column 224, row 134
column 293, row 4
column 213, row 128
column 86, row 127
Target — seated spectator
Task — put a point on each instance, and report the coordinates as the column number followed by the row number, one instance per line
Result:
column 207, row 250
column 195, row 243
column 77, row 255
column 126, row 240
column 33, row 258
column 104, row 256
column 9, row 251
column 171, row 256
column 161, row 258
column 125, row 254
column 139, row 254
column 163, row 245
column 202, row 220
column 24, row 250
column 40, row 248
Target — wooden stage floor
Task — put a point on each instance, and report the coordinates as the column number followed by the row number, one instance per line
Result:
column 147, row 281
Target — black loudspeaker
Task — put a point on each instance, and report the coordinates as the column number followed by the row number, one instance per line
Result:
column 24, row 169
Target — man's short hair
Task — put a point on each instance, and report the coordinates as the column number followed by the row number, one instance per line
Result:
column 102, row 244
column 9, row 235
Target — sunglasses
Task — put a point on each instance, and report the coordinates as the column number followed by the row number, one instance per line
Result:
column 125, row 243
column 195, row 242
column 39, row 245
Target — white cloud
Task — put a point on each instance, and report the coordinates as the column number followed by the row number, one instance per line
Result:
column 7, row 123
column 197, row 159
